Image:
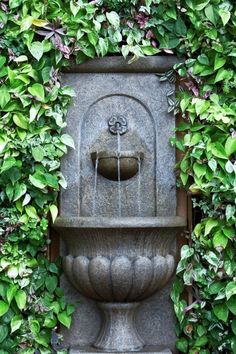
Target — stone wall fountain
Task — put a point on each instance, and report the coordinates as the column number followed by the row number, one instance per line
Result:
column 118, row 215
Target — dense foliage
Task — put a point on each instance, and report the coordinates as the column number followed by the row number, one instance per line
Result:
column 37, row 39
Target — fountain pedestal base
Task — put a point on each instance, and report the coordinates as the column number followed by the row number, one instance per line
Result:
column 118, row 332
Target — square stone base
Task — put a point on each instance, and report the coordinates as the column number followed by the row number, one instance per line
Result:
column 145, row 350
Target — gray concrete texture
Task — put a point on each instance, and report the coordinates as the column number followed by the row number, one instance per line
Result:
column 119, row 250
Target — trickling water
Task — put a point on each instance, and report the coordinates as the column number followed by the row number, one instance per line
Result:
column 139, row 186
column 95, row 187
column 118, row 168
column 118, row 142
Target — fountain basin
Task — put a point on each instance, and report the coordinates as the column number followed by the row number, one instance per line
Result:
column 110, row 162
column 119, row 259
column 118, row 262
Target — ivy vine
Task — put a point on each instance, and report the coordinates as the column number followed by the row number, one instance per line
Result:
column 37, row 40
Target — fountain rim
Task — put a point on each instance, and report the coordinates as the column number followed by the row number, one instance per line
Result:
column 106, row 154
column 118, row 64
column 98, row 222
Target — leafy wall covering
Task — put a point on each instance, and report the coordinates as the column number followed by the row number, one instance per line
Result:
column 37, row 39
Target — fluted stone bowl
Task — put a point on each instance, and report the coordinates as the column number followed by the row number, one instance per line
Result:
column 121, row 279
column 118, row 262
column 119, row 259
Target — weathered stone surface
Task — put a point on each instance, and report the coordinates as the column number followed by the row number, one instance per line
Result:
column 155, row 320
column 142, row 99
column 119, row 224
column 118, row 279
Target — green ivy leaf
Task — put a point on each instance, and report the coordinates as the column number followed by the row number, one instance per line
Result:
column 70, row 309
column 225, row 16
column 171, row 12
column 221, row 311
column 180, row 28
column 182, row 345
column 38, row 153
column 74, row 8
column 37, row 180
column 26, row 23
column 2, row 61
column 3, row 308
column 20, row 298
column 219, row 62
column 210, row 224
column 51, row 283
column 218, row 150
column 14, row 3
column 203, row 59
column 20, row 120
column 114, row 19
column 46, row 74
column 212, row 259
column 230, row 146
column 34, row 326
column 212, row 163
column 230, row 289
column 31, row 211
column 221, row 75
column 201, row 341
column 11, row 290
column 12, row 272
column 233, row 326
column 3, row 143
column 51, row 180
column 53, row 268
column 68, row 91
column 231, row 303
column 8, row 163
column 199, row 170
column 198, row 6
column 50, row 322
column 230, row 211
column 42, row 339
column 220, row 240
column 20, row 190
column 215, row 288
column 210, row 13
column 64, row 319
column 3, row 333
column 4, row 96
column 201, row 105
column 16, row 323
column 93, row 38
column 229, row 231
column 54, row 212
column 184, row 177
column 37, row 90
column 67, row 140
column 102, row 47
column 149, row 50
column 186, row 252
column 229, row 167
column 36, row 49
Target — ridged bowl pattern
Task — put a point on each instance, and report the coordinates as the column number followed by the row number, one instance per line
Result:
column 119, row 279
